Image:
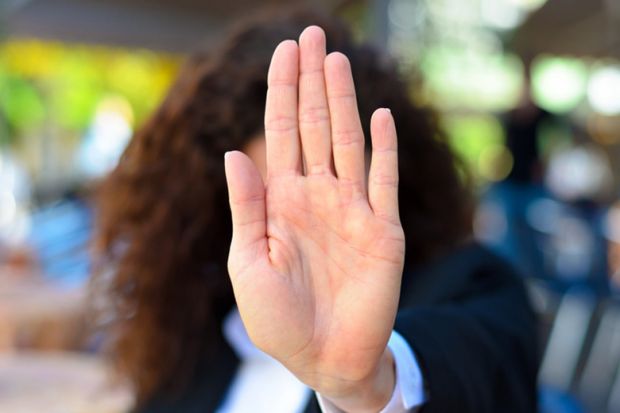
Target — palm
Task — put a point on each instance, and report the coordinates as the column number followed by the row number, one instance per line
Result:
column 316, row 259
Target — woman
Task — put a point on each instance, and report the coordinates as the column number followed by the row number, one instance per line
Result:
column 463, row 326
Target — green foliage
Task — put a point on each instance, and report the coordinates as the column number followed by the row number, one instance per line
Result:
column 60, row 86
column 21, row 104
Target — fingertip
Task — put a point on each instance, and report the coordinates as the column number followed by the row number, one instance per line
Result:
column 285, row 50
column 382, row 114
column 242, row 175
column 286, row 47
column 382, row 127
column 338, row 73
column 228, row 162
column 382, row 118
column 230, row 155
column 337, row 60
column 233, row 160
column 284, row 62
column 312, row 35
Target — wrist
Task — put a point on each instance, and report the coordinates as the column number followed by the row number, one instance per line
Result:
column 371, row 394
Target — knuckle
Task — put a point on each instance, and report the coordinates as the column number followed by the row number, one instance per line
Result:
column 312, row 72
column 348, row 137
column 284, row 83
column 250, row 222
column 386, row 180
column 313, row 115
column 280, row 124
column 350, row 189
column 346, row 95
column 385, row 151
column 317, row 169
column 248, row 199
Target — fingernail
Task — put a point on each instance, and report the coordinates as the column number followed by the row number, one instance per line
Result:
column 388, row 109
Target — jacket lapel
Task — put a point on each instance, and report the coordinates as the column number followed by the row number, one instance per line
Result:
column 313, row 405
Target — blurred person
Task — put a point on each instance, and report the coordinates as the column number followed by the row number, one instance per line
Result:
column 545, row 218
column 581, row 179
column 612, row 234
column 464, row 336
column 502, row 216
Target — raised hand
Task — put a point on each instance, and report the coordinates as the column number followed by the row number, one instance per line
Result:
column 317, row 251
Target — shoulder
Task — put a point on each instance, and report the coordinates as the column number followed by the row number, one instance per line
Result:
column 467, row 270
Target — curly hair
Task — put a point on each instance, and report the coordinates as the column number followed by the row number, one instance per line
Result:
column 164, row 227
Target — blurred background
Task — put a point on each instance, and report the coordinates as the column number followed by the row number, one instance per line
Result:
column 528, row 92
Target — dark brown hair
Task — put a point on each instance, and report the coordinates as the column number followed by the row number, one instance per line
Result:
column 164, row 224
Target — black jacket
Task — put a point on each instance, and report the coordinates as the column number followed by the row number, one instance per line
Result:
column 469, row 322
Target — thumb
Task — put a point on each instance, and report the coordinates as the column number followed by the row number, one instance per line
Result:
column 246, row 194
